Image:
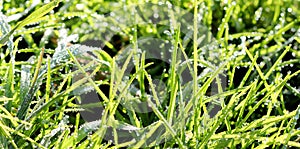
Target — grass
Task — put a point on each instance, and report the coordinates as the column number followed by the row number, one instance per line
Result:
column 165, row 74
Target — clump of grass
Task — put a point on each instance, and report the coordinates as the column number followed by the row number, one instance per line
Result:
column 251, row 46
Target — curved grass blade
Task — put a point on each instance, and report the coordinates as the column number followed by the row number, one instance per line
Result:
column 36, row 15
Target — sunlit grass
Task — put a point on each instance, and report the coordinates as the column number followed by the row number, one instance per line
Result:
column 242, row 57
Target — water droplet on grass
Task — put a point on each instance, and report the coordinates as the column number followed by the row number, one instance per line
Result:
column 258, row 13
column 155, row 15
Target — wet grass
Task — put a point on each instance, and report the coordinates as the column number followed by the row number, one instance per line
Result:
column 167, row 74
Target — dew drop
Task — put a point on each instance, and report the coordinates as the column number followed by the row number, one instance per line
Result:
column 155, row 15
column 258, row 14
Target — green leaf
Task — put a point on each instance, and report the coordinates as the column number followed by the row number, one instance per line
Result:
column 35, row 16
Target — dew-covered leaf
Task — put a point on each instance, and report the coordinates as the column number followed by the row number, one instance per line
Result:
column 36, row 15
